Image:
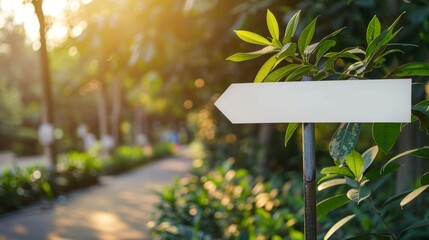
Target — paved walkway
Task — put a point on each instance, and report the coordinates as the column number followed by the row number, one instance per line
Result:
column 119, row 208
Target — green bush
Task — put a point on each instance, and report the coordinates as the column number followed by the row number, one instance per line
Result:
column 124, row 158
column 229, row 204
column 77, row 169
column 19, row 187
column 163, row 149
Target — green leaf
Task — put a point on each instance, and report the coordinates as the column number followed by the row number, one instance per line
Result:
column 277, row 43
column 351, row 182
column 344, row 140
column 306, row 36
column 277, row 237
column 424, row 180
column 383, row 38
column 324, row 47
column 337, row 226
column 262, row 213
column 395, row 198
column 299, row 72
column 326, row 177
column 390, row 52
column 291, row 128
column 47, row 190
column 386, row 134
column 421, row 152
column 358, row 195
column 332, row 203
column 329, row 64
column 357, row 68
column 252, row 37
column 423, row 103
column 331, row 183
column 355, row 163
column 373, row 30
column 412, row 195
column 351, row 53
column 419, row 224
column 273, row 26
column 368, row 157
column 354, row 50
column 291, row 27
column 343, row 171
column 280, row 73
column 309, row 50
column 287, row 50
column 411, row 69
column 239, row 57
column 422, row 109
column 418, row 152
column 421, row 112
column 332, row 34
column 266, row 68
column 377, row 172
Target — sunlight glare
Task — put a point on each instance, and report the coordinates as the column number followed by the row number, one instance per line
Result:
column 36, row 45
column 57, row 31
column 54, row 8
column 23, row 14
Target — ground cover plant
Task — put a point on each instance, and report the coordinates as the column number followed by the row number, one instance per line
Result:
column 229, row 203
column 20, row 187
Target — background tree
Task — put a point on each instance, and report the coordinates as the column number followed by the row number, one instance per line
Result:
column 48, row 108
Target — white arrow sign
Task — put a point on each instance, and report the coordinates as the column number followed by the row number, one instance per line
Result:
column 318, row 101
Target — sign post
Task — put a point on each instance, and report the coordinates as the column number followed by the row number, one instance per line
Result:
column 309, row 102
column 309, row 178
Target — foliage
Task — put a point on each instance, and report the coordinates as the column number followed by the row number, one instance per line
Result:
column 163, row 149
column 123, row 159
column 77, row 169
column 126, row 158
column 317, row 61
column 10, row 109
column 19, row 187
column 229, row 204
column 363, row 181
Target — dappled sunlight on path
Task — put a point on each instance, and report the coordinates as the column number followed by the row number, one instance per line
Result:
column 118, row 208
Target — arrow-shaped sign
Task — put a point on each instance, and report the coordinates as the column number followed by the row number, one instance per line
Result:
column 318, row 101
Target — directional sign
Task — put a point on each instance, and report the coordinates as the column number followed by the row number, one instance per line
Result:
column 387, row 100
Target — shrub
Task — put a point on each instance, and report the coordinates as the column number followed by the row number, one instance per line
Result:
column 163, row 149
column 19, row 187
column 76, row 169
column 229, row 204
column 124, row 159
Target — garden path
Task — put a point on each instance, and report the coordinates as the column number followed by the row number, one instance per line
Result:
column 118, row 208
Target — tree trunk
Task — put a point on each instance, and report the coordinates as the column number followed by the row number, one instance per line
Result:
column 103, row 103
column 137, row 126
column 47, row 102
column 116, row 110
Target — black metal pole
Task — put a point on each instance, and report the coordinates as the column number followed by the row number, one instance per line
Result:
column 309, row 177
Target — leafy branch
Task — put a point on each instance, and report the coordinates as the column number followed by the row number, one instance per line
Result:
column 291, row 60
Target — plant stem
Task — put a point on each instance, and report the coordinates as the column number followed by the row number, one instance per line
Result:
column 378, row 213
